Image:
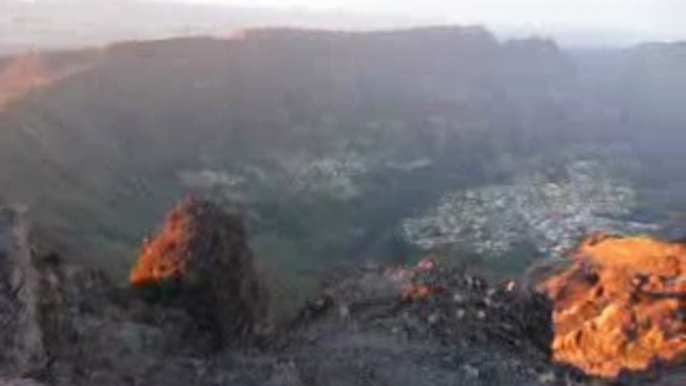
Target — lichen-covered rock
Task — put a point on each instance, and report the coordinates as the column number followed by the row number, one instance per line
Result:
column 200, row 261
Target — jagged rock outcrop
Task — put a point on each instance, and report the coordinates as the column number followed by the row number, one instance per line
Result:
column 68, row 325
column 621, row 305
column 20, row 334
column 424, row 325
column 42, row 309
column 199, row 261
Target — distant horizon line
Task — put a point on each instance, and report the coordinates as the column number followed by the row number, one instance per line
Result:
column 568, row 36
column 236, row 35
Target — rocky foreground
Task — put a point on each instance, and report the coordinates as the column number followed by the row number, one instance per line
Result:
column 372, row 325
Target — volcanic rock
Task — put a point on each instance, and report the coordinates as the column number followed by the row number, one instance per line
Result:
column 457, row 308
column 67, row 325
column 200, row 262
column 20, row 334
column 621, row 305
column 457, row 330
column 408, row 326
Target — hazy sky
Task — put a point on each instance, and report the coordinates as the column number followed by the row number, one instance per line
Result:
column 646, row 19
column 570, row 22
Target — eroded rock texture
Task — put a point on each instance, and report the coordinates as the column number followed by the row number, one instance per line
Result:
column 20, row 333
column 200, row 261
column 621, row 305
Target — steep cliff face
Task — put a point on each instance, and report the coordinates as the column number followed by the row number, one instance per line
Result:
column 297, row 127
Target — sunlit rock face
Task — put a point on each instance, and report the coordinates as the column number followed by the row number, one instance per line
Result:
column 621, row 305
column 199, row 261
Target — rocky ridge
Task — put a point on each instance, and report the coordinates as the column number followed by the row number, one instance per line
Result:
column 79, row 329
column 422, row 325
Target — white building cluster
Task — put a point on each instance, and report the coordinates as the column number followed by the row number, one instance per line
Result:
column 533, row 209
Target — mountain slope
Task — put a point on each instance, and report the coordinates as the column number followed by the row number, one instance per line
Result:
column 326, row 139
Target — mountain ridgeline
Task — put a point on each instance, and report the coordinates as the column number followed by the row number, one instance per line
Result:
column 326, row 141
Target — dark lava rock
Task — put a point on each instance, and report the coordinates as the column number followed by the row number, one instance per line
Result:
column 65, row 325
column 463, row 307
column 200, row 261
column 20, row 334
column 429, row 325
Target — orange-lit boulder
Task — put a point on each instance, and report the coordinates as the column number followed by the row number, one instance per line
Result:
column 200, row 261
column 621, row 305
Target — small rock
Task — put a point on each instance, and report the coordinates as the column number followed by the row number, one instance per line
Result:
column 344, row 311
column 471, row 371
column 460, row 313
column 511, row 286
column 547, row 377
